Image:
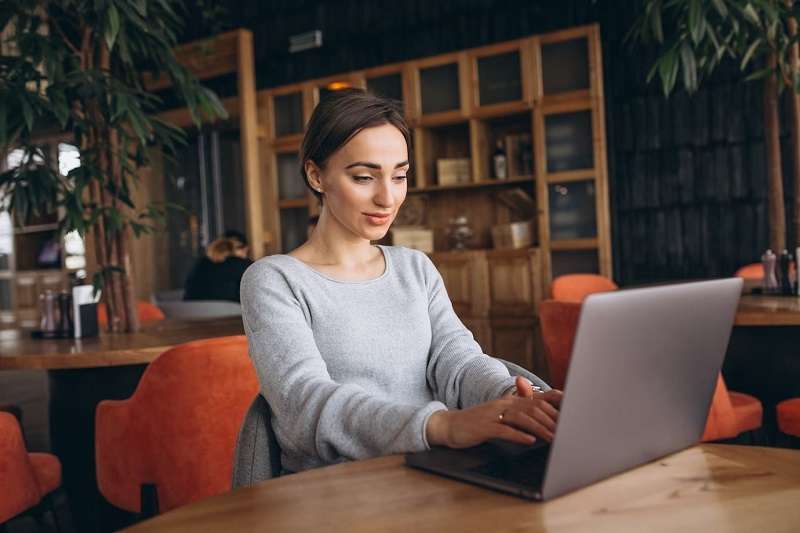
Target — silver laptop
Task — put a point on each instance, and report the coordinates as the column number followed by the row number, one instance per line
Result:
column 641, row 377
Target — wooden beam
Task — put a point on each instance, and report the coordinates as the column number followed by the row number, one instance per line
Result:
column 248, row 121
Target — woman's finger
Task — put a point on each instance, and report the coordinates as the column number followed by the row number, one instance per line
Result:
column 529, row 424
column 530, row 406
column 506, row 432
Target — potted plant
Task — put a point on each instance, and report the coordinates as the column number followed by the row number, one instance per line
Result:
column 81, row 68
column 694, row 36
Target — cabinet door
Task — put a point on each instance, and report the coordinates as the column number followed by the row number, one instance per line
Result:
column 482, row 331
column 514, row 340
column 464, row 274
column 514, row 283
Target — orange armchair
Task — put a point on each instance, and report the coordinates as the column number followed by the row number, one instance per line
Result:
column 788, row 412
column 25, row 478
column 147, row 311
column 559, row 322
column 576, row 287
column 753, row 271
column 173, row 441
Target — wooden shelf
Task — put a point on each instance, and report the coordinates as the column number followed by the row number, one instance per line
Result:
column 574, row 244
column 293, row 203
column 472, row 185
column 35, row 229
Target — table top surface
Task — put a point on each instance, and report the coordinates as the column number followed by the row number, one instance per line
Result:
column 19, row 351
column 761, row 310
column 710, row 487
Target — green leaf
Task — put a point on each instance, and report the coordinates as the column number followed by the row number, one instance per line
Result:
column 668, row 71
column 761, row 73
column 749, row 54
column 27, row 112
column 112, row 26
column 655, row 22
column 750, row 14
column 696, row 20
column 719, row 5
column 689, row 68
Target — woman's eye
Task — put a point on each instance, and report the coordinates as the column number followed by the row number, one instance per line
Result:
column 362, row 178
column 400, row 178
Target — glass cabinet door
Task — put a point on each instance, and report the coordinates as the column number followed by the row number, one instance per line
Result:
column 568, row 141
column 565, row 66
column 439, row 89
column 573, row 214
column 290, row 180
column 388, row 86
column 499, row 78
column 575, row 262
column 288, row 110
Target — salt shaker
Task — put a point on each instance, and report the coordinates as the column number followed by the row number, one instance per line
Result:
column 770, row 281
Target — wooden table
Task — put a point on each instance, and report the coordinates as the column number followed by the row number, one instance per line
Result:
column 705, row 488
column 758, row 310
column 83, row 372
column 19, row 351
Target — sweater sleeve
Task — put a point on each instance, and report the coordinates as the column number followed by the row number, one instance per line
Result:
column 459, row 373
column 316, row 417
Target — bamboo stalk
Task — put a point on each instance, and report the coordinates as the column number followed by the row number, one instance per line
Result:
column 794, row 99
column 777, row 217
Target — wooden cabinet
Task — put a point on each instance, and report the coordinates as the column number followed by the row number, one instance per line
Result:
column 496, row 294
column 538, row 99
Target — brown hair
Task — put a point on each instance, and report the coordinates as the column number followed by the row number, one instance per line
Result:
column 340, row 116
column 221, row 249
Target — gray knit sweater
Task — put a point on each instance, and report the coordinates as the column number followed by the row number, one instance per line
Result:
column 354, row 369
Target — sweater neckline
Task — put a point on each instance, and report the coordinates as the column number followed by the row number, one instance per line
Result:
column 387, row 266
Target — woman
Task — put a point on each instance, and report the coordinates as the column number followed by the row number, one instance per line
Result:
column 218, row 274
column 357, row 347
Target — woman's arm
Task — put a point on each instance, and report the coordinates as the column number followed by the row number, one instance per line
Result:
column 316, row 416
column 459, row 373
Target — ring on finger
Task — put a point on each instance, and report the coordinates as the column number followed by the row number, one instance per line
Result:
column 501, row 417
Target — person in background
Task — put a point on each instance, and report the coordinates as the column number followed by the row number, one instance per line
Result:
column 217, row 275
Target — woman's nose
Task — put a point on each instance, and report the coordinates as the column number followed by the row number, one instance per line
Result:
column 383, row 195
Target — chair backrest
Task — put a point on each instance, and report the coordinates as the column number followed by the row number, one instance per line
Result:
column 722, row 421
column 190, row 402
column 147, row 313
column 559, row 323
column 576, row 287
column 200, row 309
column 18, row 488
column 753, row 271
column 258, row 454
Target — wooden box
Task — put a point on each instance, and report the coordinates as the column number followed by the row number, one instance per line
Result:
column 453, row 171
column 415, row 237
column 513, row 235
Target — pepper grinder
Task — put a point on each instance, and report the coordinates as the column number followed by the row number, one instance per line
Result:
column 65, row 321
column 770, row 281
column 785, row 282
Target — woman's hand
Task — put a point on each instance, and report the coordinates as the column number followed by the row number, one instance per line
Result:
column 521, row 419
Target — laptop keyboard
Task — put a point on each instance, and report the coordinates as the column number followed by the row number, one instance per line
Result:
column 525, row 469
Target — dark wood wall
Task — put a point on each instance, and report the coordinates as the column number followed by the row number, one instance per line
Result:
column 687, row 175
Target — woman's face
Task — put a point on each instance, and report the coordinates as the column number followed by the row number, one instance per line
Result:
column 364, row 182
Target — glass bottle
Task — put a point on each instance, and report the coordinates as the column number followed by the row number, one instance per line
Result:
column 500, row 161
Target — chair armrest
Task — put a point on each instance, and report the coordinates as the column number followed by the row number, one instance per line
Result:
column 516, row 370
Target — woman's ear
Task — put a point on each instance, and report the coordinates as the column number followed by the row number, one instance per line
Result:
column 314, row 176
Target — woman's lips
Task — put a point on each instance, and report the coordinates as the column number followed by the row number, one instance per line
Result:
column 378, row 219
